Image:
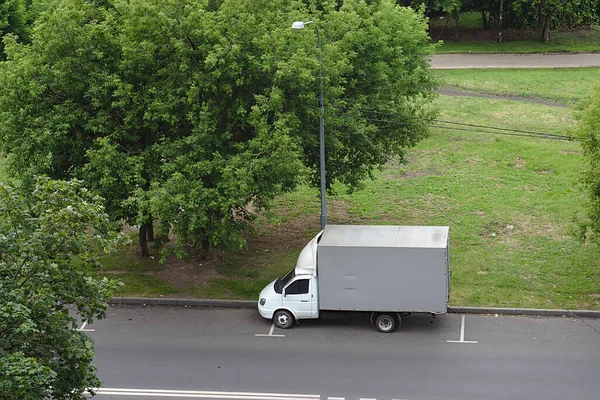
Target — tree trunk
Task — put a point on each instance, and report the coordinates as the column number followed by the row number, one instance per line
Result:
column 150, row 232
column 545, row 37
column 500, row 17
column 143, row 239
column 540, row 18
column 442, row 30
column 205, row 248
column 202, row 242
column 456, row 28
column 485, row 20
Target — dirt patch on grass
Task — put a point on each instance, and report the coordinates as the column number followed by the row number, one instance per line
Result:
column 452, row 91
column 569, row 151
column 524, row 224
column 193, row 272
column 415, row 174
column 187, row 273
column 498, row 229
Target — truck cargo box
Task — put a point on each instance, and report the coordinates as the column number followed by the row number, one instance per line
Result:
column 384, row 268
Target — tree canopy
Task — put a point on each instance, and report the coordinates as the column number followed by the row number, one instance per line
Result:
column 588, row 132
column 13, row 19
column 533, row 15
column 48, row 239
column 187, row 112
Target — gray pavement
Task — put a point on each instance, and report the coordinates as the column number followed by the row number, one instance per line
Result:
column 463, row 61
column 215, row 353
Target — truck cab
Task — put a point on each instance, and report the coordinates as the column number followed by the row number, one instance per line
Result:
column 295, row 295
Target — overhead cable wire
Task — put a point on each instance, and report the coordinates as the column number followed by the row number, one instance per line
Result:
column 500, row 132
column 433, row 120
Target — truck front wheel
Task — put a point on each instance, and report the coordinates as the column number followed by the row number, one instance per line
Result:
column 385, row 323
column 283, row 319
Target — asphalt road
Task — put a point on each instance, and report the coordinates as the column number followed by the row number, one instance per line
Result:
column 199, row 353
column 463, row 61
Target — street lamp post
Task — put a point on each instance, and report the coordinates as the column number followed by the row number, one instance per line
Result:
column 298, row 25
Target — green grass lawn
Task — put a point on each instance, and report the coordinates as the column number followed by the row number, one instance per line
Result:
column 562, row 85
column 560, row 42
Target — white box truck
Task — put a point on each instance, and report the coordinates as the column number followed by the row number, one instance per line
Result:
column 385, row 271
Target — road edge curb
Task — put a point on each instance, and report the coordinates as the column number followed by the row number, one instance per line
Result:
column 218, row 303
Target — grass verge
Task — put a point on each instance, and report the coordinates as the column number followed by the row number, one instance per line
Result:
column 562, row 85
column 475, row 39
column 560, row 42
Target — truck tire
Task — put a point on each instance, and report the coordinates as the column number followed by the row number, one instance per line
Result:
column 385, row 323
column 283, row 319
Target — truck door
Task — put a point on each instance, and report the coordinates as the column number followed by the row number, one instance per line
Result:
column 297, row 297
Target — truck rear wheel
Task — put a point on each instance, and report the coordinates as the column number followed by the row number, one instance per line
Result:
column 283, row 319
column 385, row 323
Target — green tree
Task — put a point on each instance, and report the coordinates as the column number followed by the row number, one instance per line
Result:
column 452, row 8
column 13, row 19
column 42, row 234
column 588, row 132
column 189, row 113
column 547, row 14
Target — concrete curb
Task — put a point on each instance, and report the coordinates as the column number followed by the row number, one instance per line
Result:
column 149, row 301
column 526, row 311
column 153, row 301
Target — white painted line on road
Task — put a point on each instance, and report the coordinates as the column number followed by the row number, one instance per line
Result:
column 204, row 394
column 462, row 334
column 82, row 329
column 270, row 332
column 195, row 396
column 336, row 398
column 367, row 398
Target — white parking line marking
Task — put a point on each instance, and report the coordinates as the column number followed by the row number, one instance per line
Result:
column 270, row 332
column 205, row 394
column 82, row 329
column 462, row 334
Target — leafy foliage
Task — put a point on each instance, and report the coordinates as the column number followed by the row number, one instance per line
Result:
column 588, row 132
column 198, row 115
column 42, row 233
column 13, row 19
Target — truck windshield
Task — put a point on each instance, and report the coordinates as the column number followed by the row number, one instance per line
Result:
column 281, row 282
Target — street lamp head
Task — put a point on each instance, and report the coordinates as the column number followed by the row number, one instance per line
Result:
column 298, row 25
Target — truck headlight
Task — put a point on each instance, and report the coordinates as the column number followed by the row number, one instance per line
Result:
column 262, row 302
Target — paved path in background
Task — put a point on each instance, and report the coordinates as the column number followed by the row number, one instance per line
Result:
column 464, row 61
column 170, row 353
